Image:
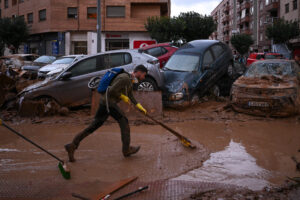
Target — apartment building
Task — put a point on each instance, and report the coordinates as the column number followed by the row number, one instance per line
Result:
column 290, row 10
column 248, row 17
column 69, row 27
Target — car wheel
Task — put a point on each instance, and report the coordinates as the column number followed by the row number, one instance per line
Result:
column 195, row 99
column 147, row 84
column 215, row 90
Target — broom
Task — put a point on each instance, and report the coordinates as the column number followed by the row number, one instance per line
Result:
column 61, row 165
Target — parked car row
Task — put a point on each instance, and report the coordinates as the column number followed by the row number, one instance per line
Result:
column 190, row 72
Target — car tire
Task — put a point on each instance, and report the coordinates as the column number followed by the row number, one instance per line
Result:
column 215, row 91
column 148, row 84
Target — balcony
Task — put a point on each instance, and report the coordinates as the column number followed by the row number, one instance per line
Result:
column 246, row 31
column 226, row 8
column 245, row 19
column 245, row 5
column 273, row 6
column 226, row 28
column 225, row 19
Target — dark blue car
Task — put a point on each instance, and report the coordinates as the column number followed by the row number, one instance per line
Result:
column 194, row 69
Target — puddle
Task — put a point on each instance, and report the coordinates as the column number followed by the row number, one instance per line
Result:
column 9, row 150
column 231, row 166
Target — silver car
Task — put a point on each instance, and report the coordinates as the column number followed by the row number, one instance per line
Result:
column 58, row 65
column 70, row 88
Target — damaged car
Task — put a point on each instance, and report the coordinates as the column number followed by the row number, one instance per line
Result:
column 268, row 88
column 70, row 88
column 196, row 68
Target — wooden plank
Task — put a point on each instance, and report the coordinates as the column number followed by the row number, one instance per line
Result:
column 115, row 187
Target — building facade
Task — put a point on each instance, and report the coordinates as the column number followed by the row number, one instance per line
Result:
column 69, row 27
column 248, row 17
column 290, row 10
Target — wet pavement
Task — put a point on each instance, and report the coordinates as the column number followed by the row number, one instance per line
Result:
column 233, row 150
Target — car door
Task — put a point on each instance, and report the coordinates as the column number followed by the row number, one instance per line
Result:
column 221, row 61
column 207, row 68
column 121, row 59
column 74, row 90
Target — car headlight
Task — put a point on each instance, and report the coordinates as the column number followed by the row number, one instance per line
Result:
column 176, row 96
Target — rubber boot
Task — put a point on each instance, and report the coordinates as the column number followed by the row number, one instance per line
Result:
column 70, row 148
column 131, row 150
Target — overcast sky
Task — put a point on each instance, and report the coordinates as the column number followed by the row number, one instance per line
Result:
column 201, row 6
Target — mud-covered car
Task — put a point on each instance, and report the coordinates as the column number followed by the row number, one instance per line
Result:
column 194, row 69
column 268, row 88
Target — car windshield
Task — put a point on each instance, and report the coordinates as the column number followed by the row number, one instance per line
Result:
column 68, row 60
column 45, row 59
column 183, row 62
column 275, row 69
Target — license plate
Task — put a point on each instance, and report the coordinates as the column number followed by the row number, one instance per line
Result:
column 257, row 104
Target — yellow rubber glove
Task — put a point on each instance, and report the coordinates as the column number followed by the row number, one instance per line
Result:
column 124, row 98
column 141, row 108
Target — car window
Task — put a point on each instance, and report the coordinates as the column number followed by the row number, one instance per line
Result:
column 68, row 60
column 207, row 58
column 116, row 59
column 163, row 51
column 183, row 62
column 45, row 59
column 258, row 57
column 127, row 58
column 156, row 52
column 85, row 66
column 218, row 50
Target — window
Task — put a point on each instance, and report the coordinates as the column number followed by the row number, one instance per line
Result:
column 115, row 11
column 85, row 66
column 207, row 59
column 114, row 44
column 218, row 50
column 42, row 15
column 287, row 8
column 156, row 52
column 30, row 18
column 267, row 2
column 295, row 6
column 261, row 6
column 72, row 12
column 5, row 3
column 21, row 1
column 14, row 2
column 92, row 13
column 80, row 47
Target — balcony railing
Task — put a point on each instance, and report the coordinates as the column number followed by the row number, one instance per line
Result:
column 245, row 5
column 226, row 19
column 245, row 19
column 273, row 5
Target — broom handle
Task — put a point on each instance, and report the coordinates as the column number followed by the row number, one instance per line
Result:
column 22, row 136
column 165, row 126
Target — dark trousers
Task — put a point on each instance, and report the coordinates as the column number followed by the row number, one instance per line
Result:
column 100, row 117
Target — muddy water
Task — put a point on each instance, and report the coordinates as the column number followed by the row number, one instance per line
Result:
column 252, row 154
column 232, row 148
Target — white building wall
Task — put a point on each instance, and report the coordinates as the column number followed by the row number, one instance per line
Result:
column 67, row 43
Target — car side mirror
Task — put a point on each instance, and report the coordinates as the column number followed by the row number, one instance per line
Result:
column 66, row 76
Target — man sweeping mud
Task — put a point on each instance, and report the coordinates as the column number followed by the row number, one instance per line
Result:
column 118, row 88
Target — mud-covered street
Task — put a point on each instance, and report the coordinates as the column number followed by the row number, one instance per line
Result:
column 234, row 152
